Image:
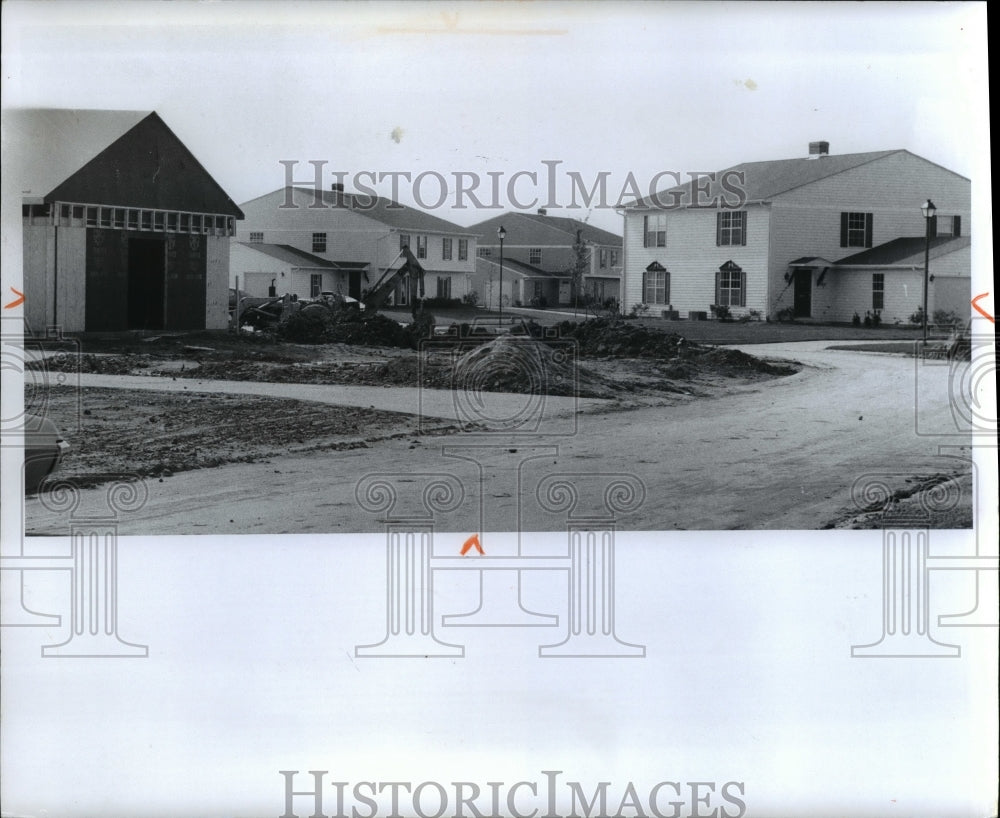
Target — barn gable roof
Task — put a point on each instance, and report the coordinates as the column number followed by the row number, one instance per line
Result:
column 124, row 158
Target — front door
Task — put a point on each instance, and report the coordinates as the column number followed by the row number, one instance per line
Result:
column 803, row 293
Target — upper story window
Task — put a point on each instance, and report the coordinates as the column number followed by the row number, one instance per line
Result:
column 319, row 242
column 614, row 258
column 463, row 249
column 404, row 240
column 421, row 246
column 946, row 226
column 485, row 252
column 654, row 227
column 603, row 258
column 731, row 228
column 315, row 284
column 535, row 255
column 446, row 249
column 856, row 229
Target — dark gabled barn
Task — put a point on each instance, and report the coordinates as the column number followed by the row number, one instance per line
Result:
column 123, row 227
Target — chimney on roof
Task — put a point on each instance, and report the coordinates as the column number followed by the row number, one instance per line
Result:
column 542, row 211
column 338, row 194
column 818, row 149
column 337, row 187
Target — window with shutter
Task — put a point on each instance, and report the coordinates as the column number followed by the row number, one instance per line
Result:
column 730, row 228
column 856, row 229
column 730, row 286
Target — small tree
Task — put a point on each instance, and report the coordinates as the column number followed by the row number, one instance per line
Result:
column 581, row 261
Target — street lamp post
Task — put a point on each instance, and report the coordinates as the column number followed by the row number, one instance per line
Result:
column 928, row 209
column 501, row 234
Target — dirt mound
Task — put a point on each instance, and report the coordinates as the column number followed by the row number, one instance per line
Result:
column 525, row 365
column 735, row 362
column 606, row 337
column 100, row 364
column 321, row 326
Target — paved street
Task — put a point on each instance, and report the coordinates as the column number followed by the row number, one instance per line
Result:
column 779, row 454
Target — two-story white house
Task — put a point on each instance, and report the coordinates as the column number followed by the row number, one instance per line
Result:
column 540, row 254
column 790, row 235
column 303, row 241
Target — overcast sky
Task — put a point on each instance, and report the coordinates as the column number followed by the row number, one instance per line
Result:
column 624, row 88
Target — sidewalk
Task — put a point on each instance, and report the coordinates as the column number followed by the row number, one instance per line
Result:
column 436, row 403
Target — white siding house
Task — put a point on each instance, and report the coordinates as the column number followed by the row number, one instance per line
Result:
column 364, row 233
column 545, row 247
column 767, row 237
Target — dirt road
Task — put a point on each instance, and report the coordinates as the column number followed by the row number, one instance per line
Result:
column 780, row 454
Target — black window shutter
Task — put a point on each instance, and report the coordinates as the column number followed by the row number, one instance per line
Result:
column 666, row 288
column 843, row 230
column 718, row 229
column 717, row 282
column 743, row 232
column 956, row 226
column 643, row 297
column 869, row 224
column 743, row 289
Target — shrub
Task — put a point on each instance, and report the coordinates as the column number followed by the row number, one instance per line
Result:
column 856, row 320
column 946, row 318
column 720, row 311
column 917, row 319
column 785, row 314
column 539, row 302
column 442, row 303
column 639, row 310
column 471, row 298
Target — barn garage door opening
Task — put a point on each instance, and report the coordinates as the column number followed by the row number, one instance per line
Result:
column 146, row 283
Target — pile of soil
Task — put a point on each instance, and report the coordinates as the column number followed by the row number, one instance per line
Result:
column 734, row 362
column 610, row 338
column 615, row 338
column 322, row 326
column 525, row 365
column 100, row 364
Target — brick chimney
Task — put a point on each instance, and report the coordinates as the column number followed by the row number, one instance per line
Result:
column 542, row 211
column 818, row 149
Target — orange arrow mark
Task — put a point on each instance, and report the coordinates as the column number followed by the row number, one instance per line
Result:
column 469, row 543
column 17, row 302
column 980, row 310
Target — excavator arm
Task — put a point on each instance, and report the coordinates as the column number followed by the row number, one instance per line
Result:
column 386, row 285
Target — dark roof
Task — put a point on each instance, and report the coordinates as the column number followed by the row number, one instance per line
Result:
column 541, row 231
column 300, row 258
column 523, row 269
column 403, row 218
column 763, row 180
column 907, row 250
column 125, row 158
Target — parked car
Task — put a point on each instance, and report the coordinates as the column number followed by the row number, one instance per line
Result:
column 44, row 447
